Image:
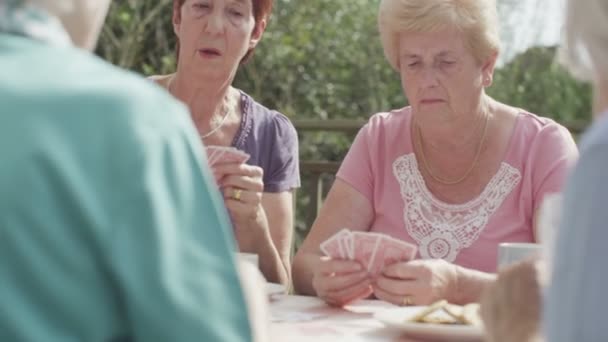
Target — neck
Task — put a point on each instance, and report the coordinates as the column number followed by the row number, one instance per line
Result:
column 206, row 100
column 457, row 131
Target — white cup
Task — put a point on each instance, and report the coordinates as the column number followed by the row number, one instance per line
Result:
column 250, row 258
column 512, row 252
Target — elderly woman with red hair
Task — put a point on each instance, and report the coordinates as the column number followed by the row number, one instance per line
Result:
column 214, row 38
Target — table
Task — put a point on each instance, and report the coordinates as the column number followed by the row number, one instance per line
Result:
column 299, row 318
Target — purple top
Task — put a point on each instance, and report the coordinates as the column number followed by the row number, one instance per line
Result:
column 272, row 142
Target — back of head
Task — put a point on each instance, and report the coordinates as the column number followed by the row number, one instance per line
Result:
column 82, row 19
column 585, row 47
column 476, row 19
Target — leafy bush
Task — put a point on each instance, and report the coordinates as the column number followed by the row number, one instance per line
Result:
column 322, row 59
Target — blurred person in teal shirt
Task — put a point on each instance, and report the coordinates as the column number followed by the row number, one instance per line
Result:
column 108, row 218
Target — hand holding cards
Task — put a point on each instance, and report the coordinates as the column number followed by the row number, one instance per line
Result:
column 225, row 154
column 374, row 251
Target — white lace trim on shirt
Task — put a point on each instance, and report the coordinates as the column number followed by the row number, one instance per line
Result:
column 442, row 230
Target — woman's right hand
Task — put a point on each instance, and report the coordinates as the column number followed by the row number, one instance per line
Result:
column 339, row 282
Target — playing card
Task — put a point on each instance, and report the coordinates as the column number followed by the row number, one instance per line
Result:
column 408, row 250
column 333, row 247
column 364, row 247
column 373, row 250
column 346, row 241
column 225, row 154
column 213, row 152
column 390, row 251
column 232, row 157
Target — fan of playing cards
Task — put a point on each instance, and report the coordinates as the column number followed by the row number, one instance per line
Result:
column 225, row 154
column 372, row 250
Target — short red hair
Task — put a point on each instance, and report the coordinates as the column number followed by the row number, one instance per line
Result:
column 261, row 11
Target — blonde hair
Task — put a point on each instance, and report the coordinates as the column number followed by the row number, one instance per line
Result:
column 476, row 19
column 585, row 47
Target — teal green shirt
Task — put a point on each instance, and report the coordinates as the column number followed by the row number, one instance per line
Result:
column 110, row 225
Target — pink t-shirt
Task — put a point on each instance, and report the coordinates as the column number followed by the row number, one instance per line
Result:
column 382, row 166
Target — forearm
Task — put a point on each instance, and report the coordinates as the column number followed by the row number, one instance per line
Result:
column 470, row 285
column 254, row 237
column 303, row 266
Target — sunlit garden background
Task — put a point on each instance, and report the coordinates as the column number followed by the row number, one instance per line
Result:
column 322, row 59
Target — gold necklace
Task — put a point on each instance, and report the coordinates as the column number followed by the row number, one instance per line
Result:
column 225, row 107
column 210, row 133
column 467, row 173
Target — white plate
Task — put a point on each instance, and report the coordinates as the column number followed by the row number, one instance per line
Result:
column 273, row 289
column 398, row 319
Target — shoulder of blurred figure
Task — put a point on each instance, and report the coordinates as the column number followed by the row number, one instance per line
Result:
column 122, row 95
column 161, row 80
column 84, row 89
column 597, row 134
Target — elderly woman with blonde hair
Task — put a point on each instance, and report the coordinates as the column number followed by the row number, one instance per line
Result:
column 455, row 173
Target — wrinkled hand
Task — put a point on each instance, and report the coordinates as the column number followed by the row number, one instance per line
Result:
column 422, row 282
column 242, row 186
column 510, row 307
column 339, row 282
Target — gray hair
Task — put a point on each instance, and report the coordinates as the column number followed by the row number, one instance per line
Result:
column 55, row 7
column 82, row 19
column 585, row 47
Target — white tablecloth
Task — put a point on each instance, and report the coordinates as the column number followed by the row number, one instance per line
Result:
column 299, row 318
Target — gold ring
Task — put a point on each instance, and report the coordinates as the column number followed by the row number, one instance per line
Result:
column 237, row 194
column 407, row 300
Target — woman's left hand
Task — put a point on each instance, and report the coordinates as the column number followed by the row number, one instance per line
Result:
column 417, row 282
column 511, row 306
column 242, row 186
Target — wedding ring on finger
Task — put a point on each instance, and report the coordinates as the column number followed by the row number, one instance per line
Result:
column 236, row 194
column 407, row 301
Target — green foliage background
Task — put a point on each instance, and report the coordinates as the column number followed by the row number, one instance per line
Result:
column 322, row 59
